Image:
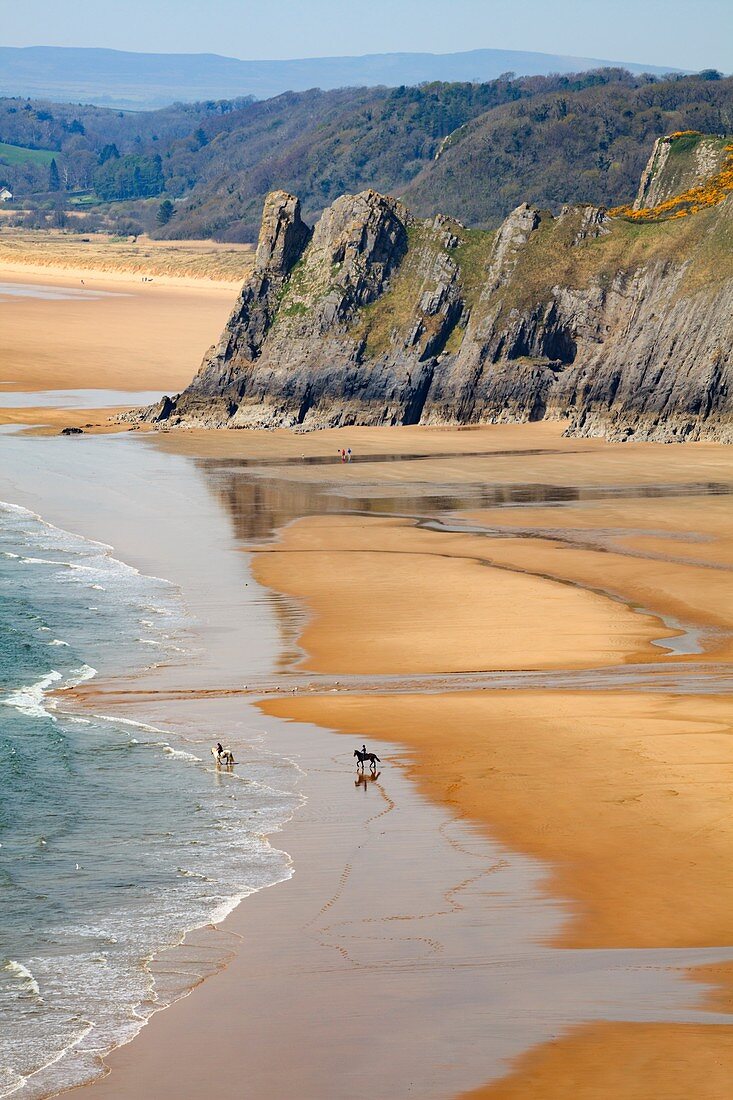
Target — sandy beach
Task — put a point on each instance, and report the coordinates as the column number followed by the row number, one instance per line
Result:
column 620, row 794
column 107, row 334
column 532, row 898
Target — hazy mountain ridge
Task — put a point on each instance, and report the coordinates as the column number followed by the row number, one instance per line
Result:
column 114, row 78
column 377, row 317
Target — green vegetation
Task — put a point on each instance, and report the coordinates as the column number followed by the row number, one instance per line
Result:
column 18, row 154
column 472, row 256
column 294, row 309
column 555, row 256
column 472, row 151
column 684, row 142
column 166, row 211
column 696, row 172
column 132, row 177
column 392, row 314
column 586, row 145
column 83, row 199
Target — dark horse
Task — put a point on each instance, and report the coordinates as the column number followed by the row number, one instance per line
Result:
column 362, row 757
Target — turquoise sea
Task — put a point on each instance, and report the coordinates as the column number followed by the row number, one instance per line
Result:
column 115, row 839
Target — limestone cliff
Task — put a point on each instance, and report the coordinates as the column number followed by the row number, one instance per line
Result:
column 375, row 317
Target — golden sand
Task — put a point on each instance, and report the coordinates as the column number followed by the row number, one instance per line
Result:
column 388, row 598
column 624, row 1062
column 625, row 795
column 141, row 337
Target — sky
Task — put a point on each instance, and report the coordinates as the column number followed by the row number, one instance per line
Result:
column 685, row 34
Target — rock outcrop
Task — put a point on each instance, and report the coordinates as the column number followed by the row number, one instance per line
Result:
column 375, row 317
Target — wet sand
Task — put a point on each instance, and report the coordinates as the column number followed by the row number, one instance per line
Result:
column 620, row 795
column 633, row 1061
column 388, row 598
column 624, row 796
column 398, row 913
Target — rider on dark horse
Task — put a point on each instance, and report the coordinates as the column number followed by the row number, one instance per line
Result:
column 363, row 756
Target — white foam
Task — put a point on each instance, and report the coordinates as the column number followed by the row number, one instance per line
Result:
column 30, row 985
column 80, row 544
column 79, row 676
column 46, row 561
column 179, row 754
column 131, row 722
column 29, row 700
column 23, row 1081
column 57, row 641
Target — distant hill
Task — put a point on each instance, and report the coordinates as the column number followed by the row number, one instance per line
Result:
column 582, row 145
column 112, row 78
column 473, row 151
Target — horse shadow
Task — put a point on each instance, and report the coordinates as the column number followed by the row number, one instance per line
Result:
column 363, row 779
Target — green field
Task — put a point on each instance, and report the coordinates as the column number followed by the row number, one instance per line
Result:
column 16, row 154
column 84, row 198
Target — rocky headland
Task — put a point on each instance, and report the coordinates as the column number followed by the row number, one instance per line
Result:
column 622, row 325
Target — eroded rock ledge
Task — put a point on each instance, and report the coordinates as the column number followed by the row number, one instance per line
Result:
column 374, row 317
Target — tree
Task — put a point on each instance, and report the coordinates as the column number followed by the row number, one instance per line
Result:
column 165, row 212
column 129, row 177
column 54, row 180
column 109, row 152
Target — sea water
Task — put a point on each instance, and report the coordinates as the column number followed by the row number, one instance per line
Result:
column 115, row 838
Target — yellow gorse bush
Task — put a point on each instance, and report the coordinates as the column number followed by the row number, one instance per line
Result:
column 710, row 193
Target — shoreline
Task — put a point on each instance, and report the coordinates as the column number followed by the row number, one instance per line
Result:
column 144, row 551
column 328, row 712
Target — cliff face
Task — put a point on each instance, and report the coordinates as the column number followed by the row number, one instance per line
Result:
column 677, row 163
column 378, row 318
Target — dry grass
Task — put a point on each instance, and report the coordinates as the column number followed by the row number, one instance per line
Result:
column 552, row 258
column 393, row 315
column 51, row 249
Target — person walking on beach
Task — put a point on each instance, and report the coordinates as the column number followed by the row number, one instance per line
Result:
column 348, row 455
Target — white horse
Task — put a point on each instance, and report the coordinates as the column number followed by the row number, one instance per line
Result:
column 225, row 757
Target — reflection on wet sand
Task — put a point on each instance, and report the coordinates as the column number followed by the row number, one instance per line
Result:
column 262, row 502
column 364, row 779
column 591, row 538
